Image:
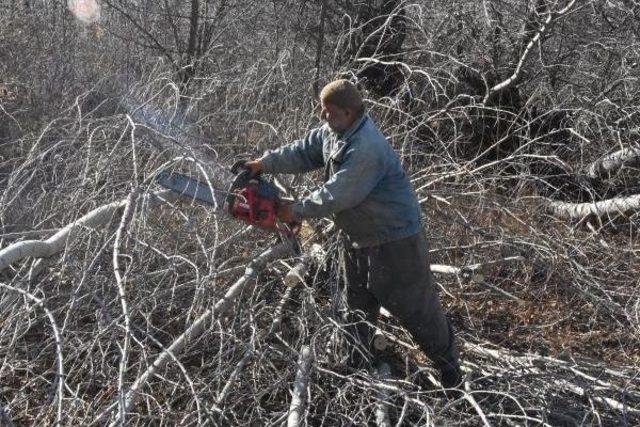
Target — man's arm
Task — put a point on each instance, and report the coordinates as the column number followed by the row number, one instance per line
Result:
column 300, row 156
column 359, row 173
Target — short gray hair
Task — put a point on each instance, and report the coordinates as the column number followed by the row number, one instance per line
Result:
column 344, row 94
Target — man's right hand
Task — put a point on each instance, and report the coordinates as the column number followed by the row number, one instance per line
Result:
column 255, row 166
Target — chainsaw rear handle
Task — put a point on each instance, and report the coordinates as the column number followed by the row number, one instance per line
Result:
column 242, row 165
column 243, row 175
column 241, row 180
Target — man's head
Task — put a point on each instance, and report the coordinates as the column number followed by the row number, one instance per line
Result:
column 341, row 105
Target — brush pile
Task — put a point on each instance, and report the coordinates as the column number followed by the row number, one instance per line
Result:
column 124, row 304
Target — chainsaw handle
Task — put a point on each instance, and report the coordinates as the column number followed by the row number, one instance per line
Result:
column 241, row 179
column 252, row 166
column 240, row 164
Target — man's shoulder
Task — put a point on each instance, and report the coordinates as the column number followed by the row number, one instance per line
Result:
column 370, row 136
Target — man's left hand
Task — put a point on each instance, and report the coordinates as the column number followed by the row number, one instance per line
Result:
column 285, row 214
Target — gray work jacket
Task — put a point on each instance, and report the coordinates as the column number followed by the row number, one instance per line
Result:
column 366, row 190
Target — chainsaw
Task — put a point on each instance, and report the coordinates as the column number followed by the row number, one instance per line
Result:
column 251, row 199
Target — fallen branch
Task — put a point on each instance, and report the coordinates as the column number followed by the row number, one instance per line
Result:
column 58, row 341
column 540, row 366
column 470, row 269
column 233, row 377
column 468, row 396
column 126, row 219
column 382, row 412
column 299, row 387
column 611, row 162
column 607, row 401
column 299, row 270
column 198, row 327
column 56, row 243
column 619, row 205
column 279, row 311
column 5, row 419
column 249, row 352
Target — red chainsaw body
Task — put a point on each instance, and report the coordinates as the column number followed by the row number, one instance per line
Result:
column 256, row 203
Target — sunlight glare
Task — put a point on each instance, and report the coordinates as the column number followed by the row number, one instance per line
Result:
column 86, row 11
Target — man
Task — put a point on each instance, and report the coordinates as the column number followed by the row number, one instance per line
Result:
column 370, row 198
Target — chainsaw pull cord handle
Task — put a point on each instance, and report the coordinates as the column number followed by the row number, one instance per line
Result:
column 243, row 175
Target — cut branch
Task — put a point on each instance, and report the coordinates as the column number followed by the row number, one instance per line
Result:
column 300, row 387
column 198, row 327
column 299, row 270
column 620, row 205
column 56, row 243
column 614, row 161
column 382, row 412
column 467, row 270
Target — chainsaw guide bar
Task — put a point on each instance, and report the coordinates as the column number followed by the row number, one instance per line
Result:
column 190, row 187
column 251, row 199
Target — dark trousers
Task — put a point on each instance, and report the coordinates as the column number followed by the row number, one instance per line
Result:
column 397, row 276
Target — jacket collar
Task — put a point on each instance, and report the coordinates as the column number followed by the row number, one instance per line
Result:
column 355, row 127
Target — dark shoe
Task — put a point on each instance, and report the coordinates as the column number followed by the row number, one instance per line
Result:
column 451, row 377
column 449, row 366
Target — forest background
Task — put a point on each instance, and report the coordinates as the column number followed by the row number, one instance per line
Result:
column 517, row 120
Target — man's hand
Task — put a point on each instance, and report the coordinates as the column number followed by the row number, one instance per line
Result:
column 255, row 166
column 286, row 215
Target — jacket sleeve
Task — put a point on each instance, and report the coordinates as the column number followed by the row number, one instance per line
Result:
column 300, row 156
column 358, row 174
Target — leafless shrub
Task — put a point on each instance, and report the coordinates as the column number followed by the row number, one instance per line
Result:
column 493, row 117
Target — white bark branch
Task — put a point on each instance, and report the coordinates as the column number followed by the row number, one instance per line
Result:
column 468, row 396
column 382, row 412
column 614, row 161
column 127, row 217
column 198, row 326
column 233, row 377
column 299, row 270
column 467, row 270
column 530, row 363
column 56, row 243
column 58, row 339
column 536, row 37
column 606, row 401
column 300, row 387
column 279, row 312
column 5, row 419
column 620, row 205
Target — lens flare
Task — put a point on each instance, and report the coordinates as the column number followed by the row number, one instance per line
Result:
column 86, row 11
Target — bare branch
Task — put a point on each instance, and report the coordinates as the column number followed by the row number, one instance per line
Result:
column 300, row 387
column 618, row 206
column 611, row 162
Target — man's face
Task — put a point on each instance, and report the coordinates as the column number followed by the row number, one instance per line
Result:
column 339, row 119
